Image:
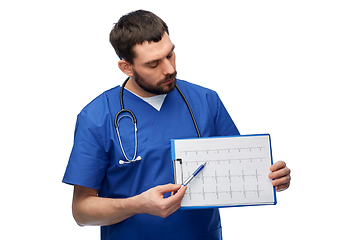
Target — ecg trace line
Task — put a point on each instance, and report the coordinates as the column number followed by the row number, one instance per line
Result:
column 217, row 192
column 249, row 159
column 229, row 176
column 221, row 150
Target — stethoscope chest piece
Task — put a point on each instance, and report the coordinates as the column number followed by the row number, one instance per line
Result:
column 121, row 162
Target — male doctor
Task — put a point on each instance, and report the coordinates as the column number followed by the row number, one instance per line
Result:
column 136, row 200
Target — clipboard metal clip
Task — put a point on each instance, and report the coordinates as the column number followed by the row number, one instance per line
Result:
column 176, row 162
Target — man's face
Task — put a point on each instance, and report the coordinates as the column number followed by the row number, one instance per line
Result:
column 154, row 66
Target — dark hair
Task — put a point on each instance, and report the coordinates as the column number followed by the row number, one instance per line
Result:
column 135, row 28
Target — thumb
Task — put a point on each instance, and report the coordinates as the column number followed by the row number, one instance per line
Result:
column 168, row 188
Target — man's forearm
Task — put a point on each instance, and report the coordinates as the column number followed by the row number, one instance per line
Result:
column 89, row 209
column 97, row 211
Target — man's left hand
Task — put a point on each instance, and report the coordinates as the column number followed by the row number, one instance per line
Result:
column 280, row 174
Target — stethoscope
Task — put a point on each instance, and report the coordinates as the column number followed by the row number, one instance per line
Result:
column 134, row 120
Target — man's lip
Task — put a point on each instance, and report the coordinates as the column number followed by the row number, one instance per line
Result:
column 169, row 81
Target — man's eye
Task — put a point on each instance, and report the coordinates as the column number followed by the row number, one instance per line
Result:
column 153, row 65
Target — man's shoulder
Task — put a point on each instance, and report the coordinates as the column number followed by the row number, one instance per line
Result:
column 196, row 91
column 101, row 102
column 193, row 87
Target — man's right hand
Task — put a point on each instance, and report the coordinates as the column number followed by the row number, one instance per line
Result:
column 153, row 202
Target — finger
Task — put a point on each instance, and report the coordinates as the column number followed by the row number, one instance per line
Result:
column 171, row 210
column 278, row 165
column 280, row 173
column 183, row 189
column 173, row 203
column 281, row 181
column 178, row 196
column 168, row 188
column 282, row 187
column 174, row 192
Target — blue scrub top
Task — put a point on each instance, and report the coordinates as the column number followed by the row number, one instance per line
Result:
column 94, row 160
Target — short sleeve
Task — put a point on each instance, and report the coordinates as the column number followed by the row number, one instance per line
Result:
column 88, row 160
column 223, row 122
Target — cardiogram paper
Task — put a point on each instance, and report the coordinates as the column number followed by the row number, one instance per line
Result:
column 235, row 174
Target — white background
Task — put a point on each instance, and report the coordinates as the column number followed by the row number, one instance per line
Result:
column 288, row 68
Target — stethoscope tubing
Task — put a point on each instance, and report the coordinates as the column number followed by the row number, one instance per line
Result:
column 190, row 111
column 134, row 120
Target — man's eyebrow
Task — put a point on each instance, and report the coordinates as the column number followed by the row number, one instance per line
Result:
column 156, row 60
column 172, row 49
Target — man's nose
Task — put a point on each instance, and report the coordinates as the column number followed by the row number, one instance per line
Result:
column 168, row 68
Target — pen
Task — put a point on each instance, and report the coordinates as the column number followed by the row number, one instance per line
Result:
column 186, row 182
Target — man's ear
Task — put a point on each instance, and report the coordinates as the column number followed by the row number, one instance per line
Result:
column 125, row 67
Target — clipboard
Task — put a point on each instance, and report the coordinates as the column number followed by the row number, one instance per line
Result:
column 236, row 171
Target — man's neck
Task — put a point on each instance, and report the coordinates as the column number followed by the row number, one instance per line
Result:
column 133, row 87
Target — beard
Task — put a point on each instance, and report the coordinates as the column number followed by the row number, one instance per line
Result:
column 158, row 88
